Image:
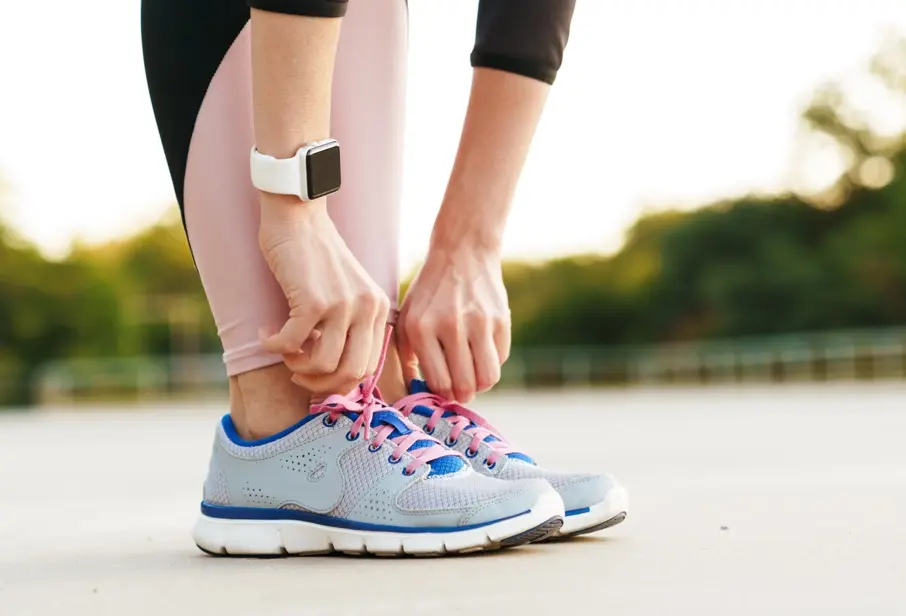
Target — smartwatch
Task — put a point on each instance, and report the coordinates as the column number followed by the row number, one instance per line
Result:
column 311, row 174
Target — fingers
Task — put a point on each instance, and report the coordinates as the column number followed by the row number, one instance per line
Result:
column 459, row 357
column 354, row 364
column 455, row 342
column 327, row 351
column 502, row 339
column 324, row 356
column 295, row 333
column 379, row 329
column 407, row 356
column 422, row 342
column 484, row 354
column 345, row 353
column 377, row 343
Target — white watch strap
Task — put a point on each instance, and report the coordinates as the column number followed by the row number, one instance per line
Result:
column 281, row 176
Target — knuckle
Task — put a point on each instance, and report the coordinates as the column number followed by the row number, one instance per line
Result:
column 384, row 304
column 344, row 304
column 317, row 306
column 367, row 301
column 450, row 324
column 415, row 327
column 476, row 319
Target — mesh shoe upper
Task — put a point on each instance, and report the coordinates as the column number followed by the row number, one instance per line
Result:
column 318, row 467
column 491, row 454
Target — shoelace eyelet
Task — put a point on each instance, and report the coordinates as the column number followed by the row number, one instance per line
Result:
column 450, row 443
column 327, row 421
column 491, row 465
column 350, row 437
column 428, row 430
column 407, row 473
column 470, row 453
column 393, row 460
column 374, row 449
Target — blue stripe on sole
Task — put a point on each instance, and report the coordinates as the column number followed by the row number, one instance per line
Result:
column 226, row 512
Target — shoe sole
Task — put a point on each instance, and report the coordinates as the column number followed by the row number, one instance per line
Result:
column 275, row 538
column 609, row 512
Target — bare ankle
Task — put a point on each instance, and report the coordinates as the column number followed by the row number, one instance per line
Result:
column 266, row 402
column 237, row 407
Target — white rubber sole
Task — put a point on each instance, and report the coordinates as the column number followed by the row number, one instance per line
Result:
column 609, row 512
column 229, row 537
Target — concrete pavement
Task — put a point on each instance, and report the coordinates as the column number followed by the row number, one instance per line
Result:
column 744, row 501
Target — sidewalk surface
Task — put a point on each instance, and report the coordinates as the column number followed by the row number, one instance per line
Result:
column 744, row 501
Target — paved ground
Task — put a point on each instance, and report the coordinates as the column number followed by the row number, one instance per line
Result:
column 744, row 501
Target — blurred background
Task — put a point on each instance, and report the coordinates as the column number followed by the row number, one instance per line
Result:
column 730, row 204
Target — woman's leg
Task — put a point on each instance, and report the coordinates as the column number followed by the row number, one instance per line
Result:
column 197, row 58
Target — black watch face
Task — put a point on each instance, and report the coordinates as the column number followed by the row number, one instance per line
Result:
column 323, row 171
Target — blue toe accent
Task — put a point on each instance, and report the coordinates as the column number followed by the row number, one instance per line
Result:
column 225, row 512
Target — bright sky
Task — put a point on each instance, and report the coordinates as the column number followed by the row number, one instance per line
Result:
column 660, row 102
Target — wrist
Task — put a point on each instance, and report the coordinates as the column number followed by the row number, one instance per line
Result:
column 289, row 209
column 457, row 229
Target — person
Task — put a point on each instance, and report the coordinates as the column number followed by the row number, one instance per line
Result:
column 262, row 108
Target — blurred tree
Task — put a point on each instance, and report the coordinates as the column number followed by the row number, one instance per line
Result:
column 752, row 265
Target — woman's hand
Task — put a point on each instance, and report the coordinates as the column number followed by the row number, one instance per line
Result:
column 455, row 322
column 335, row 309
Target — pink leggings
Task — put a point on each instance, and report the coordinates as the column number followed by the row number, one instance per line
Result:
column 199, row 74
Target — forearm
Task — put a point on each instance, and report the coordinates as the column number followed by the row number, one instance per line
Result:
column 292, row 67
column 503, row 113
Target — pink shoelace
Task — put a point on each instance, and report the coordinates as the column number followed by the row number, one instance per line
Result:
column 365, row 400
column 462, row 420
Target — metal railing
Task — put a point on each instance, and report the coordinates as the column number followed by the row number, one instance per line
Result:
column 827, row 356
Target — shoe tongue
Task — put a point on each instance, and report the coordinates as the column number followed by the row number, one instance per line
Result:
column 389, row 418
column 439, row 466
column 418, row 386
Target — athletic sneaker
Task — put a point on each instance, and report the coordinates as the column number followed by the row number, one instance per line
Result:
column 592, row 502
column 355, row 476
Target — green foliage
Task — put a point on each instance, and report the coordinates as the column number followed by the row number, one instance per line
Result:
column 107, row 301
column 751, row 266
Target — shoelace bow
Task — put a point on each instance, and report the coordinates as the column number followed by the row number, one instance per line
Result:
column 462, row 420
column 365, row 400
